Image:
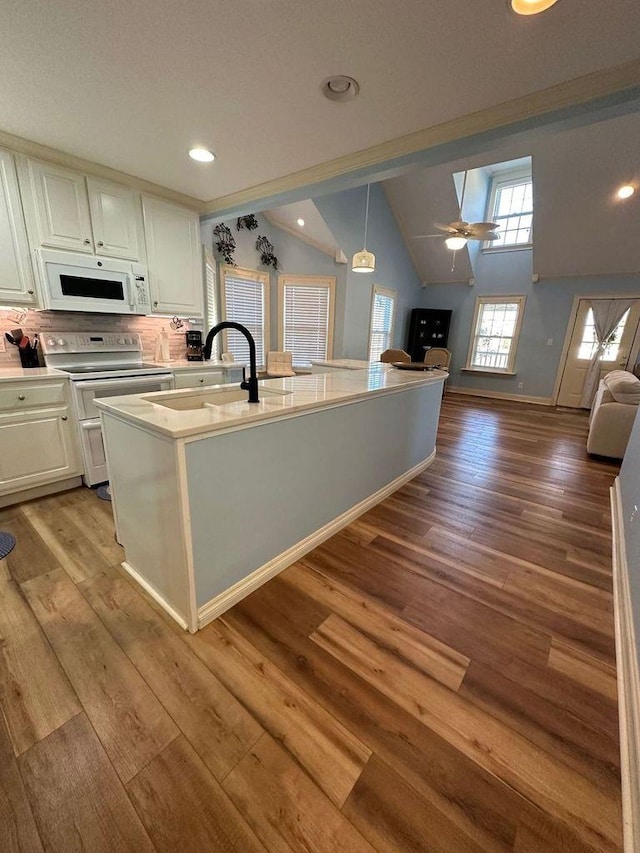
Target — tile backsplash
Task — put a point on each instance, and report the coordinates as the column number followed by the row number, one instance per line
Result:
column 44, row 322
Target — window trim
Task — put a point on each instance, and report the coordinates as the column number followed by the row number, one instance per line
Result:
column 252, row 275
column 498, row 180
column 211, row 306
column 513, row 351
column 392, row 294
column 328, row 281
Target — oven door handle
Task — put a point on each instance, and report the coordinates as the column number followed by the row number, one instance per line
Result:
column 125, row 383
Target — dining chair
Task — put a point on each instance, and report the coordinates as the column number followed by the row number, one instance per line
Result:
column 390, row 355
column 279, row 364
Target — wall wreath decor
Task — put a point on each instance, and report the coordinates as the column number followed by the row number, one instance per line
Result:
column 267, row 257
column 225, row 243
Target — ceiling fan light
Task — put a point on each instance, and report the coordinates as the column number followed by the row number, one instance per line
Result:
column 455, row 243
column 531, row 7
column 363, row 261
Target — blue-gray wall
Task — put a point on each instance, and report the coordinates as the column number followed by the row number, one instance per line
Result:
column 294, row 257
column 546, row 316
column 344, row 214
column 630, row 497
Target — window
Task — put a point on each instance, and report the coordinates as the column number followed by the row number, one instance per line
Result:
column 511, row 207
column 210, row 292
column 496, row 326
column 589, row 342
column 383, row 309
column 245, row 299
column 305, row 317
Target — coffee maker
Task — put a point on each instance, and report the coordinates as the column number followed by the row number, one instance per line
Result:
column 194, row 346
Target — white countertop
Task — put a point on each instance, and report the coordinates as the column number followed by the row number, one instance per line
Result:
column 312, row 391
column 344, row 363
column 17, row 372
column 183, row 364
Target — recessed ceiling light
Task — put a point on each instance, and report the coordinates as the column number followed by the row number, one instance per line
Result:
column 626, row 191
column 340, row 88
column 531, row 7
column 300, row 222
column 202, row 155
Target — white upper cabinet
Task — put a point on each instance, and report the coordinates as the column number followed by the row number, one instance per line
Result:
column 172, row 236
column 67, row 210
column 115, row 217
column 16, row 274
column 60, row 207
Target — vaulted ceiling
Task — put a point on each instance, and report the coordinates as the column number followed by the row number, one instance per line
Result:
column 132, row 84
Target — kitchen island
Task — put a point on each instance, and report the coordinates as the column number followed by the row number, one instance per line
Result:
column 213, row 496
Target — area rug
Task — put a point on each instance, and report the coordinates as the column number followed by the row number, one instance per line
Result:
column 103, row 492
column 7, row 544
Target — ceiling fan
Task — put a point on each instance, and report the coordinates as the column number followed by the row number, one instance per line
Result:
column 457, row 233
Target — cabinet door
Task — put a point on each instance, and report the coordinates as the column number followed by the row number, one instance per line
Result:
column 16, row 273
column 61, row 207
column 172, row 235
column 116, row 219
column 37, row 447
column 196, row 378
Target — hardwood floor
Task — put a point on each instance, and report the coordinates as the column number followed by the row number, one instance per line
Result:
column 439, row 676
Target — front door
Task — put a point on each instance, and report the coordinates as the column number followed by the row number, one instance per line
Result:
column 582, row 346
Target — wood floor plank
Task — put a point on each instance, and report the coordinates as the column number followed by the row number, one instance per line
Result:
column 127, row 717
column 593, row 753
column 219, row 728
column 18, row 833
column 286, row 810
column 94, row 518
column 74, row 551
column 477, row 801
column 423, row 652
column 537, row 833
column 184, row 808
column 31, row 556
column 555, row 787
column 331, row 754
column 78, row 800
column 583, row 668
column 35, row 694
column 393, row 817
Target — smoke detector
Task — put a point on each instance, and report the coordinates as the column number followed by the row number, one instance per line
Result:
column 340, row 88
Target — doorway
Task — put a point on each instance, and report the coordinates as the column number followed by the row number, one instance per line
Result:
column 619, row 353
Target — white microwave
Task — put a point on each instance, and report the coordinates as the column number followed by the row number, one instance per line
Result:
column 71, row 282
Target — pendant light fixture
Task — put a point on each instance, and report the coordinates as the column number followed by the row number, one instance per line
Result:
column 364, row 261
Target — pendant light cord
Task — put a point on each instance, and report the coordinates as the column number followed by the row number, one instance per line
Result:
column 366, row 218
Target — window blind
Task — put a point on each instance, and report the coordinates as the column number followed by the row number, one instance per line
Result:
column 244, row 300
column 211, row 296
column 494, row 336
column 382, row 311
column 305, row 315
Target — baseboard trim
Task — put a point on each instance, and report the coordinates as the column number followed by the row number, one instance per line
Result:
column 218, row 605
column 153, row 592
column 501, row 395
column 628, row 680
column 40, row 491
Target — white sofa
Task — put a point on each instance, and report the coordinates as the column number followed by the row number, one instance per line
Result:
column 613, row 413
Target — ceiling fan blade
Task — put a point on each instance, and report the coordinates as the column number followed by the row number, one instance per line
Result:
column 422, row 236
column 491, row 236
column 449, row 227
column 487, row 226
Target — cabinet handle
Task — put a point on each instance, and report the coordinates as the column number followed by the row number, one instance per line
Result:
column 30, row 292
column 100, row 243
column 87, row 241
column 64, row 418
column 155, row 304
column 21, row 397
column 202, row 381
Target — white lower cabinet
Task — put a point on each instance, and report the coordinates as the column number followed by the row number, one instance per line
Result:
column 38, row 445
column 194, row 378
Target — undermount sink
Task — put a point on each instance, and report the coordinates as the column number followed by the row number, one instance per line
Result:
column 212, row 397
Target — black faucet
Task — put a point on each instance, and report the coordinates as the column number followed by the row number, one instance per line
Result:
column 252, row 385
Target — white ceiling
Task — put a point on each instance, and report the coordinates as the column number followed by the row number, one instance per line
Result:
column 314, row 231
column 132, row 84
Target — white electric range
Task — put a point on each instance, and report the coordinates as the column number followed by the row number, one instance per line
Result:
column 100, row 364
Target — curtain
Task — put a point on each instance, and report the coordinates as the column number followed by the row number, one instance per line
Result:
column 607, row 313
